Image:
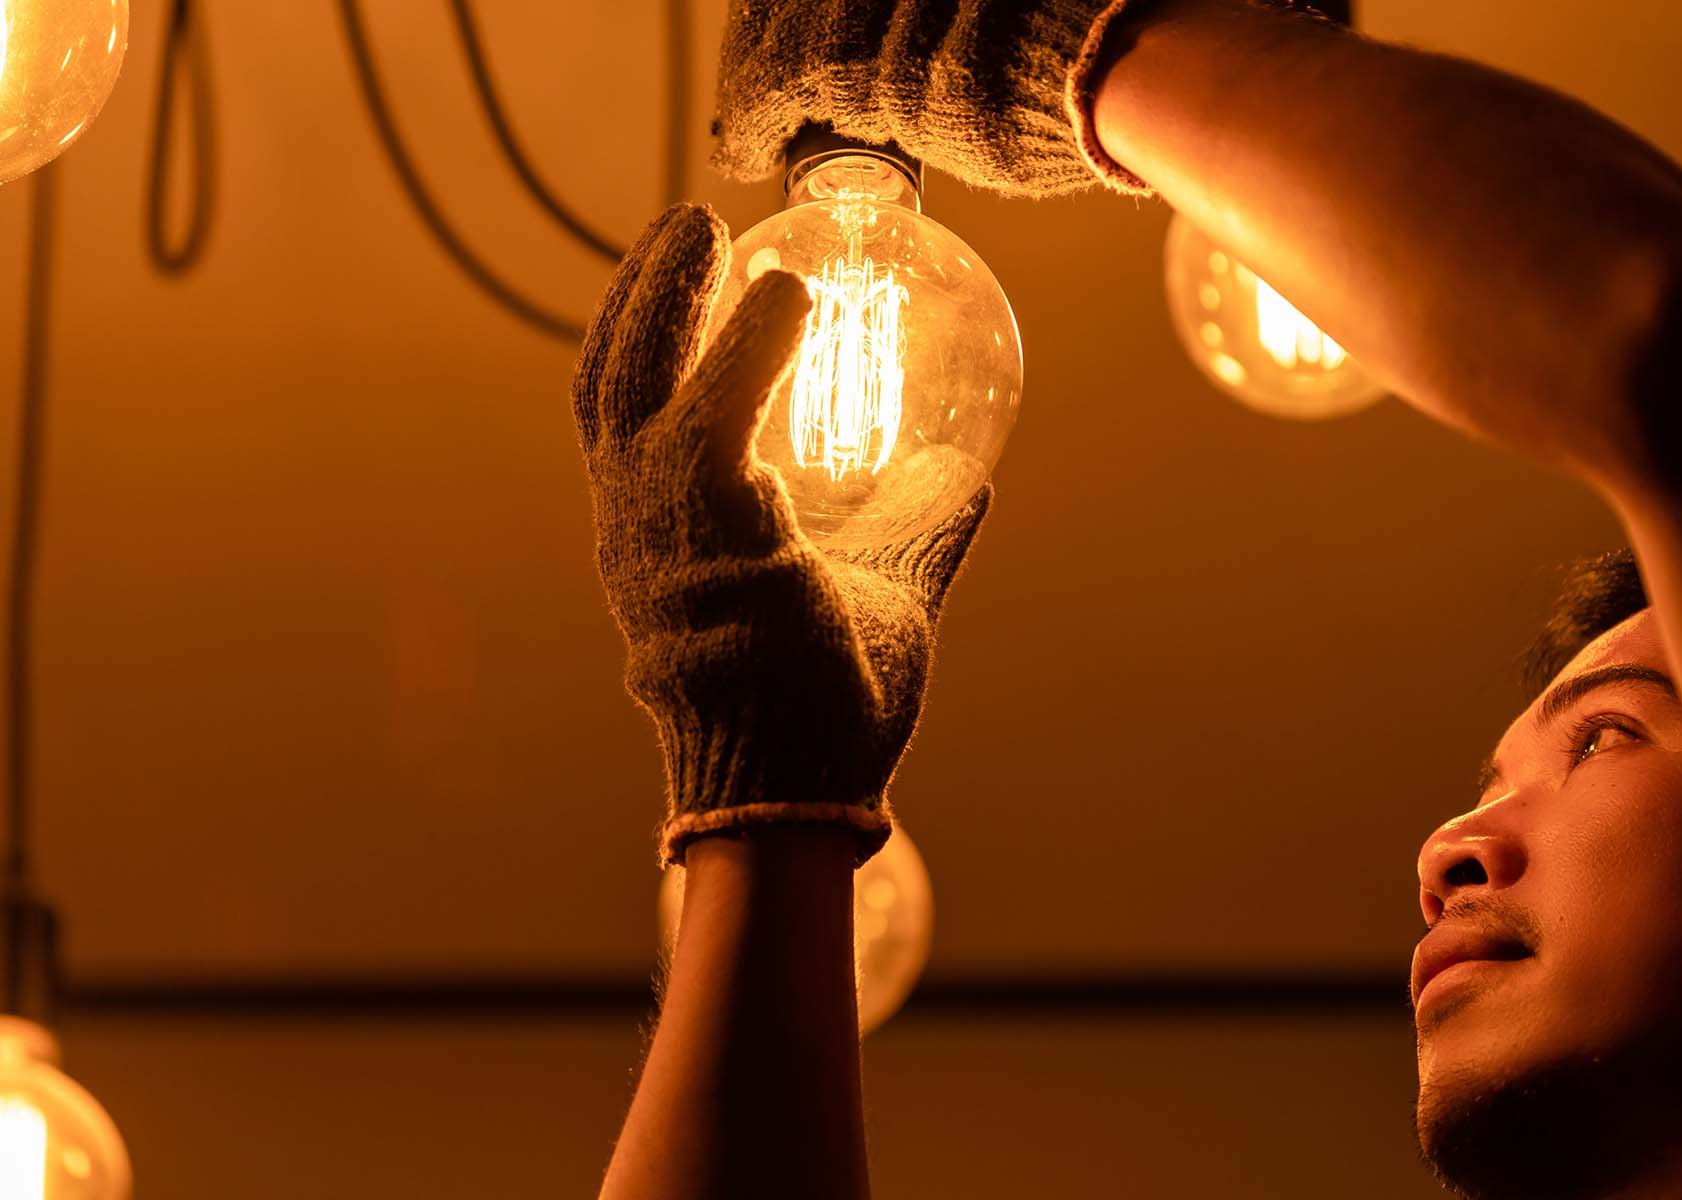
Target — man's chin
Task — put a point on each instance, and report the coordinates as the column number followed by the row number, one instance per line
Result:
column 1529, row 1132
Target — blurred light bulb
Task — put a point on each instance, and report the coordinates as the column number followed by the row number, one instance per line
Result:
column 58, row 62
column 56, row 1142
column 908, row 378
column 893, row 925
column 1250, row 340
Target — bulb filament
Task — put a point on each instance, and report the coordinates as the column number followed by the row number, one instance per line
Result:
column 847, row 397
column 1289, row 337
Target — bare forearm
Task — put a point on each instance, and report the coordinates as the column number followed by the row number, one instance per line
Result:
column 1458, row 229
column 752, row 1087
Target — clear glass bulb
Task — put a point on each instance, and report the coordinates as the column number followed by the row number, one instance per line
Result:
column 893, row 925
column 56, row 1142
column 58, row 62
column 908, row 379
column 1251, row 341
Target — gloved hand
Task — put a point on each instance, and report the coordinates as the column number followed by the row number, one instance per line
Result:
column 994, row 92
column 784, row 681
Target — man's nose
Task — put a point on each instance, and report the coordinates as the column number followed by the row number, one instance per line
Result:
column 1462, row 855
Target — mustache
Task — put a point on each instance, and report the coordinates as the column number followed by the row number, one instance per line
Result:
column 1493, row 915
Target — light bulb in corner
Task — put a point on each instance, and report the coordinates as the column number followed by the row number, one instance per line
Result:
column 908, row 378
column 1252, row 342
column 893, row 925
column 56, row 1142
column 59, row 60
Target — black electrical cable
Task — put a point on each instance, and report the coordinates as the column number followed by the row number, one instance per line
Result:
column 26, row 521
column 373, row 95
column 185, row 51
column 497, row 115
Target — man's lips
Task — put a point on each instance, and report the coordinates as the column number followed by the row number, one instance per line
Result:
column 1447, row 944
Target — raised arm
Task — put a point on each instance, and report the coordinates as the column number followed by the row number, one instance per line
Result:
column 784, row 683
column 751, row 1089
column 1506, row 258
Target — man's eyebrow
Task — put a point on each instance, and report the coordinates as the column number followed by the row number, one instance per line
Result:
column 1574, row 689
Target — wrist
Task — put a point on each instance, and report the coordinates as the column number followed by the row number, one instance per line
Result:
column 772, row 850
column 784, row 874
column 863, row 827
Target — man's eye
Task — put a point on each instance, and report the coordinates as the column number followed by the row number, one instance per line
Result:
column 1597, row 734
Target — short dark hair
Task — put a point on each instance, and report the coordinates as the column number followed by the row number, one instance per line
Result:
column 1595, row 594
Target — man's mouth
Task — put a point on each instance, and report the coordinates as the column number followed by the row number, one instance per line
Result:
column 1448, row 945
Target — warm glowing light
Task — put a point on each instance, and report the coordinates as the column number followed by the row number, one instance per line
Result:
column 23, row 1150
column 56, row 1142
column 1250, row 340
column 847, row 396
column 908, row 377
column 1289, row 337
column 59, row 60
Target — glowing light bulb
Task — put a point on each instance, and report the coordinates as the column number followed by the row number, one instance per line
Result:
column 1250, row 340
column 893, row 925
column 56, row 1142
column 908, row 379
column 59, row 60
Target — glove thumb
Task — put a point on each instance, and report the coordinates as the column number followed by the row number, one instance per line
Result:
column 721, row 408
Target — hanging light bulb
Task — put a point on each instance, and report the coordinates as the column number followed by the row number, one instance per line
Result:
column 893, row 925
column 56, row 1142
column 908, row 378
column 1250, row 340
column 58, row 62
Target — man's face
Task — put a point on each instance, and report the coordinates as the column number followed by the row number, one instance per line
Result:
column 1555, row 905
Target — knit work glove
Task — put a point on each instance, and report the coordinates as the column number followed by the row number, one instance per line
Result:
column 995, row 92
column 784, row 681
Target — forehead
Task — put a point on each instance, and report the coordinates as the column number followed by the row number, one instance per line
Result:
column 1634, row 641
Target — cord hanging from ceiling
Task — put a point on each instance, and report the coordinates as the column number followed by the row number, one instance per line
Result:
column 426, row 206
column 420, row 198
column 186, row 52
column 26, row 525
column 29, row 966
column 491, row 102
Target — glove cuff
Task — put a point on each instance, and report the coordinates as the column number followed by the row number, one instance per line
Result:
column 870, row 823
column 714, row 784
column 1078, row 97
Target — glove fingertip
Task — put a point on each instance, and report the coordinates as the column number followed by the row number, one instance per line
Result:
column 599, row 357
column 655, row 336
column 782, row 298
column 743, row 364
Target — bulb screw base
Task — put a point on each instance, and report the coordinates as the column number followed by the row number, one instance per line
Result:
column 28, row 957
column 814, row 144
column 1339, row 12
